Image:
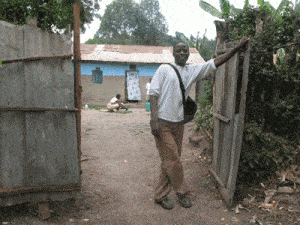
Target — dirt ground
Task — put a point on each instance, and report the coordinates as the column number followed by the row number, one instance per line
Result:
column 123, row 167
column 120, row 167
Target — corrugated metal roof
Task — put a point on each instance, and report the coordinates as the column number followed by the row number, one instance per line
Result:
column 133, row 54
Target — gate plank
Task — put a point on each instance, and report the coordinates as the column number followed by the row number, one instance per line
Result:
column 240, row 123
column 217, row 102
column 228, row 110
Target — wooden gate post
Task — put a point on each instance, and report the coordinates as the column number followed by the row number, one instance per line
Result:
column 77, row 75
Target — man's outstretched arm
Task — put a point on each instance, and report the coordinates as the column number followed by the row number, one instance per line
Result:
column 225, row 57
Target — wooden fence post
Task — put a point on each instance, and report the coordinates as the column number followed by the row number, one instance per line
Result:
column 77, row 74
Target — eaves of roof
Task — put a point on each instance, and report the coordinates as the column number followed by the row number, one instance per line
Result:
column 133, row 54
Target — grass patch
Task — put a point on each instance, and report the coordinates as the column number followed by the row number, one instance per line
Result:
column 95, row 107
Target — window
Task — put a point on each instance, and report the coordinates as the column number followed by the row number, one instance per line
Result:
column 132, row 66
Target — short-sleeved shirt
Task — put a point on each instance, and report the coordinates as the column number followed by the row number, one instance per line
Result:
column 147, row 88
column 165, row 85
column 113, row 100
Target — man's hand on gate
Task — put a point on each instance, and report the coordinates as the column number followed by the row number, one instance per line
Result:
column 220, row 60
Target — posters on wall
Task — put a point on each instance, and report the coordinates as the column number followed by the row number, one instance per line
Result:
column 133, row 86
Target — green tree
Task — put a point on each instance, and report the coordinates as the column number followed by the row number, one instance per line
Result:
column 204, row 46
column 228, row 9
column 49, row 13
column 118, row 20
column 157, row 22
column 151, row 10
column 207, row 48
column 126, row 22
column 275, row 13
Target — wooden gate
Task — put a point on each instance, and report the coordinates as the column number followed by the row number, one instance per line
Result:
column 229, row 109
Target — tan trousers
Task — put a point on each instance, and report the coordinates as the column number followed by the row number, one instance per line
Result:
column 111, row 107
column 169, row 145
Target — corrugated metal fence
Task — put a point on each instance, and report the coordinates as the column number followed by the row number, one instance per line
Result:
column 39, row 158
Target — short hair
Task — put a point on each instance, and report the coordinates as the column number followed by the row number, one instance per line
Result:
column 180, row 43
column 118, row 96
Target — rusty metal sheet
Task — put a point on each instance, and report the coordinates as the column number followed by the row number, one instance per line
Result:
column 38, row 149
column 41, row 189
column 37, row 196
column 11, row 41
column 39, row 157
column 12, row 154
column 51, row 144
column 12, row 86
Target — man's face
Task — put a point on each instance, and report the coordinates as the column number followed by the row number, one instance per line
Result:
column 181, row 54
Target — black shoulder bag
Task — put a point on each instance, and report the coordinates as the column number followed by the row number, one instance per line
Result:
column 189, row 105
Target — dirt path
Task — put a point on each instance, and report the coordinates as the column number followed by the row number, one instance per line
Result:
column 122, row 165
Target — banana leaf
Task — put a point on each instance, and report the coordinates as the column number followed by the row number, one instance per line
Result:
column 210, row 9
column 246, row 5
column 270, row 6
column 260, row 2
column 225, row 8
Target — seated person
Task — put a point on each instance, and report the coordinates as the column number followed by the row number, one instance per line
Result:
column 115, row 103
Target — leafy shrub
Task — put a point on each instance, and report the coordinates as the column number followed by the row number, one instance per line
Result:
column 272, row 121
column 272, row 117
column 264, row 154
column 204, row 117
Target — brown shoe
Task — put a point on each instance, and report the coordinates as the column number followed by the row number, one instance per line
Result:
column 184, row 200
column 165, row 203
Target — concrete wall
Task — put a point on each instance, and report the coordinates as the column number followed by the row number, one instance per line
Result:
column 118, row 68
column 36, row 148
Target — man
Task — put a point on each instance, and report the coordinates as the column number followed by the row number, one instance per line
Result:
column 148, row 89
column 115, row 103
column 167, row 118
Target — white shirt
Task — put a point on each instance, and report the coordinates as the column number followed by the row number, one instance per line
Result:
column 147, row 88
column 165, row 85
column 113, row 100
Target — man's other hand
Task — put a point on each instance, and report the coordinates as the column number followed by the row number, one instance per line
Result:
column 155, row 127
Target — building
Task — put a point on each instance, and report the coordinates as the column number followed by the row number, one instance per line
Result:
column 116, row 59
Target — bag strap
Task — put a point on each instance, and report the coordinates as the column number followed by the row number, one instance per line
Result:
column 180, row 82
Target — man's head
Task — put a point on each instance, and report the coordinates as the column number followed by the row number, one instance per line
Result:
column 181, row 53
column 118, row 96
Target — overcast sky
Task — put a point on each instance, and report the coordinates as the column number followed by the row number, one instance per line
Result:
column 183, row 16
